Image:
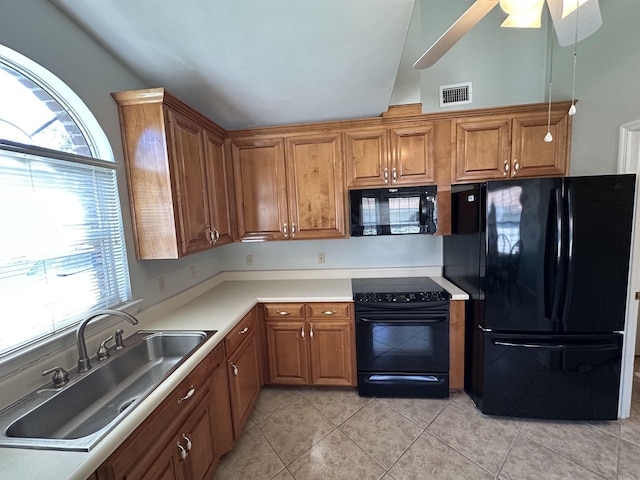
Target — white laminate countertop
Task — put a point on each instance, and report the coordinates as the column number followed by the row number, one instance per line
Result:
column 219, row 308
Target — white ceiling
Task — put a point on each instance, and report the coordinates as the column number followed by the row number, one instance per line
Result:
column 247, row 63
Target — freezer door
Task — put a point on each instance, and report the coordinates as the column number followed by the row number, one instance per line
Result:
column 522, row 258
column 564, row 377
column 599, row 216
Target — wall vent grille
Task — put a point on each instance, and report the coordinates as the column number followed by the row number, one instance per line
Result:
column 457, row 94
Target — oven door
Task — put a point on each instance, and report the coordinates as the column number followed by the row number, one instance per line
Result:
column 402, row 352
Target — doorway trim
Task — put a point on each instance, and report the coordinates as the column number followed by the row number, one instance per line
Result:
column 629, row 162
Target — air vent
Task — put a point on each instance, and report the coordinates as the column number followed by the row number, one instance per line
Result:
column 457, row 94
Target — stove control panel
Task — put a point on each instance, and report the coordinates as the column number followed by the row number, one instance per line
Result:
column 416, row 297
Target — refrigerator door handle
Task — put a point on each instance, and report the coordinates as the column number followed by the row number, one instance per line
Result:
column 568, row 280
column 557, row 275
column 560, row 346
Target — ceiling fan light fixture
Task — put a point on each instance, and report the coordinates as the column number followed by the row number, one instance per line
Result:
column 526, row 14
column 569, row 6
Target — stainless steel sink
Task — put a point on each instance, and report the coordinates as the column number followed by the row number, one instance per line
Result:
column 78, row 415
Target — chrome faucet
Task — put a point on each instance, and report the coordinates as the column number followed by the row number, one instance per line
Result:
column 83, row 357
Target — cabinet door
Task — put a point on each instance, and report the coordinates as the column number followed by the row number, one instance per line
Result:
column 261, row 188
column 316, row 187
column 221, row 410
column 531, row 156
column 244, row 381
column 166, row 466
column 190, row 183
column 331, row 352
column 218, row 195
column 483, row 149
column 412, row 159
column 367, row 158
column 196, row 437
column 288, row 355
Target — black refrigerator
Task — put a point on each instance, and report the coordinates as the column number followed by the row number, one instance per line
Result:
column 545, row 262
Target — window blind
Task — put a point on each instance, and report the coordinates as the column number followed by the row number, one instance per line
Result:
column 62, row 250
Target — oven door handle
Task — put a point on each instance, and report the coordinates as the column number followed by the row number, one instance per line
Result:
column 386, row 320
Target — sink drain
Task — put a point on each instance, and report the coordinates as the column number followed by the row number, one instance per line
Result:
column 126, row 405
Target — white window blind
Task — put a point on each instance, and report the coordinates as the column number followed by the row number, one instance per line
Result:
column 62, row 250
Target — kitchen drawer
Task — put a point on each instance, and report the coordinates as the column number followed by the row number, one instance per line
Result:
column 217, row 356
column 288, row 311
column 329, row 311
column 240, row 332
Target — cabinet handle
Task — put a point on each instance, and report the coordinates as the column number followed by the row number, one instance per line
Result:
column 311, row 331
column 516, row 167
column 188, row 395
column 293, row 229
column 284, row 229
column 235, row 369
column 394, row 175
column 212, row 238
column 302, row 332
column 187, row 442
column 215, row 230
column 283, row 312
column 506, row 168
column 244, row 330
column 386, row 175
column 329, row 312
column 183, row 453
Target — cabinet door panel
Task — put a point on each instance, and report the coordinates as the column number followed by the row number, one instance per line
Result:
column 412, row 159
column 367, row 158
column 167, row 466
column 331, row 353
column 201, row 459
column 288, row 357
column 244, row 381
column 261, row 188
column 221, row 411
column 220, row 218
column 483, row 149
column 316, row 187
column 190, row 178
column 531, row 156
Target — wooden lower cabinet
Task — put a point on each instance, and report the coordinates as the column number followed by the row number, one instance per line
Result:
column 184, row 437
column 311, row 344
column 243, row 370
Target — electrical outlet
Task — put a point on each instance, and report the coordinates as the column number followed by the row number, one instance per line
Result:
column 249, row 259
column 192, row 269
column 162, row 288
column 321, row 258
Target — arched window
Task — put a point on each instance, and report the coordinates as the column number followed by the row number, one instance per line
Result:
column 62, row 251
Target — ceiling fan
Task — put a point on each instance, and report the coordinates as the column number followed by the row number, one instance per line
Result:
column 572, row 20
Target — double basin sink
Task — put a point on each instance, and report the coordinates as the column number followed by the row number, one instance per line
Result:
column 80, row 413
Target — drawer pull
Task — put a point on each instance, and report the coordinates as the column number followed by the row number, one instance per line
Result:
column 187, row 443
column 329, row 312
column 235, row 370
column 183, row 453
column 188, row 395
column 283, row 312
column 244, row 330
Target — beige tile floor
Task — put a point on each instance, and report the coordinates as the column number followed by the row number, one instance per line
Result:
column 333, row 434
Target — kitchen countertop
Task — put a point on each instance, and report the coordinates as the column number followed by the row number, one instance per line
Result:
column 219, row 308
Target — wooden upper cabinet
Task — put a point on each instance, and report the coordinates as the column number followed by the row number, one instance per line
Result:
column 509, row 146
column 261, row 188
column 175, row 174
column 316, row 187
column 289, row 188
column 390, row 156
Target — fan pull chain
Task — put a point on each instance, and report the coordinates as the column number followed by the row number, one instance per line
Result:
column 548, row 137
column 572, row 108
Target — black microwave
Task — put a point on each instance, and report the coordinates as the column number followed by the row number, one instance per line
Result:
column 393, row 211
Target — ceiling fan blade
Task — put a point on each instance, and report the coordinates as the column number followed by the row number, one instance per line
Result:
column 467, row 20
column 587, row 15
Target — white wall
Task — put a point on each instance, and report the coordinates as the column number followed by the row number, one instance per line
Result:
column 607, row 86
column 37, row 30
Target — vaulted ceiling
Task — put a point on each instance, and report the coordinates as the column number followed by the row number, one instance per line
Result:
column 247, row 63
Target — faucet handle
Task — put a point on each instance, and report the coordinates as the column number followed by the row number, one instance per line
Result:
column 60, row 376
column 103, row 350
column 119, row 344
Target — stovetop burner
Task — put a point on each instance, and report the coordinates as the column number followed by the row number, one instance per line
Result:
column 397, row 290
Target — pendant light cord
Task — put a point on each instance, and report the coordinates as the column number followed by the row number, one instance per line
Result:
column 548, row 137
column 572, row 109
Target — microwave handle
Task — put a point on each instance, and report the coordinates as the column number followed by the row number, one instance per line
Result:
column 425, row 218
